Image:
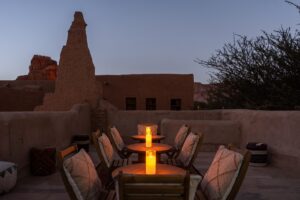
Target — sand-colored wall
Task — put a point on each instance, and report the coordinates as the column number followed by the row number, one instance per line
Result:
column 279, row 129
column 20, row 131
column 215, row 132
column 126, row 121
column 23, row 95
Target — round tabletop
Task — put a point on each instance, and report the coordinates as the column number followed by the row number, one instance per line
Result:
column 140, row 168
column 143, row 137
column 141, row 147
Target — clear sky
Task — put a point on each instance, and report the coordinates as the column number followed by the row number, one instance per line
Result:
column 135, row 36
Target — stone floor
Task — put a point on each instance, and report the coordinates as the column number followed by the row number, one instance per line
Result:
column 260, row 183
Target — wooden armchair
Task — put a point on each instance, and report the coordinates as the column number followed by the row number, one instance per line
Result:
column 149, row 187
column 234, row 180
column 107, row 166
column 188, row 152
column 71, row 181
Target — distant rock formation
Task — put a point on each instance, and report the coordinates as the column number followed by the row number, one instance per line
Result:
column 76, row 81
column 41, row 68
column 201, row 92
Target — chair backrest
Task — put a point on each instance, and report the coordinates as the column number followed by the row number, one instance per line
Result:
column 117, row 140
column 95, row 136
column 224, row 177
column 60, row 157
column 194, row 151
column 241, row 174
column 142, row 128
column 181, row 135
column 146, row 187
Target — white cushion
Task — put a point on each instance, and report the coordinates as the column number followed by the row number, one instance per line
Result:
column 106, row 149
column 188, row 149
column 8, row 176
column 194, row 182
column 117, row 138
column 180, row 136
column 221, row 174
column 142, row 129
column 82, row 176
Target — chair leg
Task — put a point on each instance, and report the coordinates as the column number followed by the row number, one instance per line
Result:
column 197, row 171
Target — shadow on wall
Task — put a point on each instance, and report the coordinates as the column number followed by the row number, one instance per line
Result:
column 20, row 131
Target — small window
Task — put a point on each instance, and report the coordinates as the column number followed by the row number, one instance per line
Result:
column 150, row 104
column 175, row 104
column 130, row 103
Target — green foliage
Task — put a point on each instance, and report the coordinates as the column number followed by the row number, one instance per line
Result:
column 259, row 73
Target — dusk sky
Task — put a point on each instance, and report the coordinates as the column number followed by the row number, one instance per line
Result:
column 135, row 36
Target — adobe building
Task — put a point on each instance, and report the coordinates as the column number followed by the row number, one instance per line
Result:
column 73, row 81
column 23, row 95
column 149, row 91
column 76, row 81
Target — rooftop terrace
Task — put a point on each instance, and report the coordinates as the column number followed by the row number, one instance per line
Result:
column 261, row 183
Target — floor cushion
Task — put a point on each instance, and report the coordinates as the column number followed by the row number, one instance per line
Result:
column 8, row 176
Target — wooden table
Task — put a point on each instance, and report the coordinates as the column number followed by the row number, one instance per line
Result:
column 140, row 148
column 140, row 168
column 142, row 138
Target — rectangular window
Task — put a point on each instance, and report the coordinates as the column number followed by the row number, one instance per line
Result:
column 130, row 103
column 150, row 104
column 175, row 104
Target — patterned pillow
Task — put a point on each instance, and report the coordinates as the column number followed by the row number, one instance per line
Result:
column 82, row 175
column 188, row 149
column 180, row 136
column 142, row 129
column 117, row 138
column 106, row 149
column 221, row 174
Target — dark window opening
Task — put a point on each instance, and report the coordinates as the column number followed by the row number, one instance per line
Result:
column 150, row 104
column 175, row 104
column 130, row 103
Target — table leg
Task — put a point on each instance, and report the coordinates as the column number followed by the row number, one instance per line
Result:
column 141, row 157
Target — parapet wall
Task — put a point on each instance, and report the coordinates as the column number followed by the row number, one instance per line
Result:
column 20, row 131
column 215, row 132
column 126, row 121
column 278, row 129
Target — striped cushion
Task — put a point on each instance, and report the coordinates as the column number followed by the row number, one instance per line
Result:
column 117, row 138
column 82, row 176
column 106, row 149
column 221, row 174
column 188, row 149
column 142, row 129
column 180, row 136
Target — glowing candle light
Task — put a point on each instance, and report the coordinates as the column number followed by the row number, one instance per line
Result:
column 148, row 137
column 150, row 162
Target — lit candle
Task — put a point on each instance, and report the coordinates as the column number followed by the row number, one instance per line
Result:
column 150, row 162
column 148, row 137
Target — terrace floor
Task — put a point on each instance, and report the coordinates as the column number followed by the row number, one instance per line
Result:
column 261, row 183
